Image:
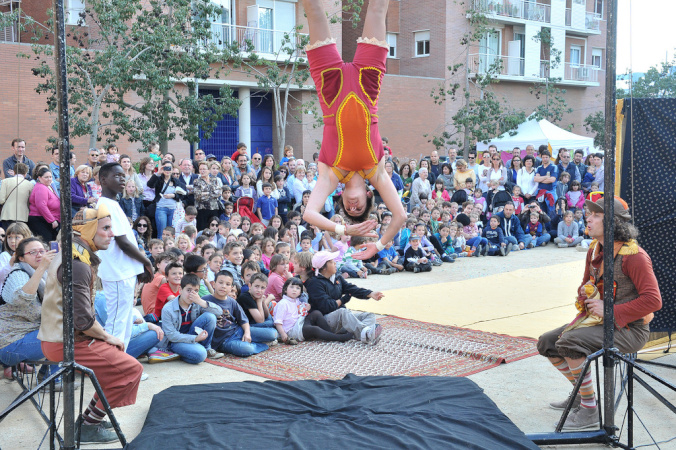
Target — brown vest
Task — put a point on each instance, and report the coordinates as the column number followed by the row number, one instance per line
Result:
column 625, row 289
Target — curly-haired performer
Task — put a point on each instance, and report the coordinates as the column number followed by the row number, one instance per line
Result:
column 352, row 150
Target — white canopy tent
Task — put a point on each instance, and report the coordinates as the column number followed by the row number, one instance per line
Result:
column 538, row 133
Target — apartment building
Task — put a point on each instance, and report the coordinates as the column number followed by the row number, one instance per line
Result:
column 424, row 37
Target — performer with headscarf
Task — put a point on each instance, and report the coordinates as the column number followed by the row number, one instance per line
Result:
column 118, row 373
column 637, row 296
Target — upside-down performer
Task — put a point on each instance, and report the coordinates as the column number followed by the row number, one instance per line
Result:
column 352, row 150
column 637, row 296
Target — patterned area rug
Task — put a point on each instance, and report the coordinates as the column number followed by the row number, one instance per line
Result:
column 406, row 347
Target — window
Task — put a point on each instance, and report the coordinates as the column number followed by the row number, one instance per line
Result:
column 597, row 57
column 422, row 43
column 598, row 7
column 575, row 53
column 72, row 9
column 392, row 42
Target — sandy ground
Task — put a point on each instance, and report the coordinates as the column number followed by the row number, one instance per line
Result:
column 522, row 389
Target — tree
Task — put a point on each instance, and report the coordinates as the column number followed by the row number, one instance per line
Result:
column 596, row 123
column 658, row 82
column 134, row 69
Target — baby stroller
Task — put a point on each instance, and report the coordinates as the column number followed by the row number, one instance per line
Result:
column 245, row 207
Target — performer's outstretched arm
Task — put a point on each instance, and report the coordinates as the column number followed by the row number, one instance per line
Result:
column 317, row 20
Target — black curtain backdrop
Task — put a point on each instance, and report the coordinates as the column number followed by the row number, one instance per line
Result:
column 648, row 184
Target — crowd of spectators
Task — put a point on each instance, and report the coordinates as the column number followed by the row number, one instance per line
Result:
column 235, row 267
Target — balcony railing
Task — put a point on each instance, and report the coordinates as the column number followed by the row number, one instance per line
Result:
column 10, row 33
column 592, row 21
column 581, row 72
column 518, row 9
column 258, row 40
column 482, row 63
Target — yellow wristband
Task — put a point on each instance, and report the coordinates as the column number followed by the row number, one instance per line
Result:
column 340, row 230
column 379, row 245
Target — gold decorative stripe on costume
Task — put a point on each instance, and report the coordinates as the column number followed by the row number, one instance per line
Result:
column 330, row 115
column 373, row 41
column 325, row 42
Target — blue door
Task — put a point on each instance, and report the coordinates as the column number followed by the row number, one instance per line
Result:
column 224, row 139
column 261, row 124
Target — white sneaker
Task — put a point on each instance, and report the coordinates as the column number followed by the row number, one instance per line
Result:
column 365, row 334
column 144, row 376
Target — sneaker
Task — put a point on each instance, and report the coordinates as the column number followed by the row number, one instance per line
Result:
column 375, row 335
column 416, row 269
column 515, row 248
column 531, row 245
column 561, row 405
column 582, row 419
column 436, row 262
column 144, row 376
column 213, row 354
column 385, row 272
column 562, row 245
column 544, row 244
column 96, row 434
column 392, row 270
column 508, row 248
column 291, row 341
column 580, row 248
column 272, row 343
column 160, row 356
column 476, row 252
column 503, row 250
column 462, row 254
column 105, row 424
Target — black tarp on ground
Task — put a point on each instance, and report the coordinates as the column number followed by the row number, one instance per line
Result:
column 352, row 413
column 648, row 185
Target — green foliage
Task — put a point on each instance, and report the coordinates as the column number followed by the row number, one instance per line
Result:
column 134, row 69
column 658, row 82
column 596, row 123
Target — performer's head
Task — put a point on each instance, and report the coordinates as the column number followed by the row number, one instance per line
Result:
column 94, row 227
column 624, row 230
column 356, row 200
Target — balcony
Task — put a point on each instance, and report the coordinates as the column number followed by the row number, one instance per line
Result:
column 592, row 22
column 514, row 10
column 581, row 73
column 9, row 33
column 267, row 43
column 500, row 66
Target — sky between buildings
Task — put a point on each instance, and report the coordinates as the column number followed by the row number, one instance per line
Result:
column 652, row 37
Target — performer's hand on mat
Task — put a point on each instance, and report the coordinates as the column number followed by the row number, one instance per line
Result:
column 246, row 337
column 202, row 336
column 594, row 306
column 112, row 340
column 376, row 295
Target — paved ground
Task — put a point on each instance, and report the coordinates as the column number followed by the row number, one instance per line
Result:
column 521, row 389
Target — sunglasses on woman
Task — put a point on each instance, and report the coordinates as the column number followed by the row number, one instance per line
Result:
column 142, row 225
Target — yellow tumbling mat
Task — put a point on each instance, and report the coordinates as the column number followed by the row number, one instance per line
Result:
column 524, row 302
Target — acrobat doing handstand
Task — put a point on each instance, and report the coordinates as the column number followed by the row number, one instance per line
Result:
column 352, row 150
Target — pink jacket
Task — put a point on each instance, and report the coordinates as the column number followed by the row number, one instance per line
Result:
column 44, row 202
column 444, row 195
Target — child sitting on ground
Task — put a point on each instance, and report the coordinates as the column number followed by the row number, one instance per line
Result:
column 536, row 229
column 255, row 304
column 167, row 291
column 279, row 273
column 415, row 259
column 567, row 232
column 267, row 251
column 388, row 260
column 214, row 266
column 293, row 327
column 446, row 242
column 405, row 235
column 188, row 323
column 497, row 245
column 150, row 290
column 459, row 241
column 169, row 232
column 232, row 333
column 233, row 256
column 197, row 265
column 350, row 267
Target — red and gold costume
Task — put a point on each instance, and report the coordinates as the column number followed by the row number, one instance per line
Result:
column 348, row 95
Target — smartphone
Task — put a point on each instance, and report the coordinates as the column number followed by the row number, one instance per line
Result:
column 53, row 245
